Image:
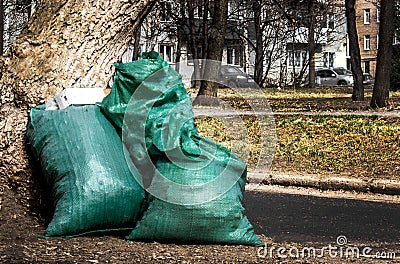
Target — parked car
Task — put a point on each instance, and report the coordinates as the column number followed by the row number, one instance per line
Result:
column 335, row 76
column 368, row 79
column 234, row 77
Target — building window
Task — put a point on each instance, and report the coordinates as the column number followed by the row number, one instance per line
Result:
column 297, row 58
column 290, row 55
column 331, row 21
column 233, row 56
column 166, row 52
column 23, row 4
column 329, row 59
column 166, row 11
column 234, row 10
column 367, row 16
column 395, row 39
column 198, row 11
column 367, row 67
column 367, row 42
column 378, row 15
column 377, row 41
column 230, row 8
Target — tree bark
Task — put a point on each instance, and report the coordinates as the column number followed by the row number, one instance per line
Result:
column 66, row 43
column 355, row 57
column 380, row 95
column 207, row 94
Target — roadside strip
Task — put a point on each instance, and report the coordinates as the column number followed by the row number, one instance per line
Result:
column 329, row 183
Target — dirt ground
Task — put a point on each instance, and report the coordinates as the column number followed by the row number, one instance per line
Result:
column 19, row 243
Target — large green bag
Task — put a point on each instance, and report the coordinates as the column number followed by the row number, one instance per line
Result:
column 82, row 158
column 188, row 201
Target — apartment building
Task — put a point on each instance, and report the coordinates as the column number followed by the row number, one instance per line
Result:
column 285, row 43
column 367, row 20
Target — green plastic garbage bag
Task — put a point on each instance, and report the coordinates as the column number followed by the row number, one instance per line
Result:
column 220, row 220
column 82, row 158
column 189, row 200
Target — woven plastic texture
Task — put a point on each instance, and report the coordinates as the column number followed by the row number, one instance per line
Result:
column 149, row 103
column 82, row 158
column 220, row 220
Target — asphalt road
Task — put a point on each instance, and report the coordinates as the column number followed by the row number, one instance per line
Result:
column 302, row 218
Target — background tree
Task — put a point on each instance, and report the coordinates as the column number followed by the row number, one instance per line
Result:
column 262, row 30
column 395, row 75
column 65, row 44
column 355, row 57
column 208, row 90
column 380, row 94
column 311, row 43
column 257, row 8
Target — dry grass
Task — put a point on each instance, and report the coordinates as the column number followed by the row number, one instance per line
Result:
column 359, row 146
column 355, row 146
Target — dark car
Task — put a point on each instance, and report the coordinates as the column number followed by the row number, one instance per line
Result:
column 368, row 79
column 234, row 77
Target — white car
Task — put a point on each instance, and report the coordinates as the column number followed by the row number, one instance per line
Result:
column 335, row 76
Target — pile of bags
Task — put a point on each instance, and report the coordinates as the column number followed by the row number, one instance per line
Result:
column 136, row 162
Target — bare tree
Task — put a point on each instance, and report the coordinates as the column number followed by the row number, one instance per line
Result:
column 380, row 95
column 311, row 44
column 193, row 42
column 355, row 57
column 259, row 43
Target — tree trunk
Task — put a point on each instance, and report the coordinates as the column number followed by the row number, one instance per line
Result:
column 178, row 54
column 355, row 57
column 204, row 44
column 259, row 49
column 380, row 95
column 311, row 44
column 193, row 45
column 136, row 43
column 29, row 8
column 207, row 94
column 65, row 44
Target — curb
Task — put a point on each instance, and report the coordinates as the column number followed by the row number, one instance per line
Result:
column 390, row 187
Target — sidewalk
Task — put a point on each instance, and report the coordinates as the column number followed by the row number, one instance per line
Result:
column 217, row 112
